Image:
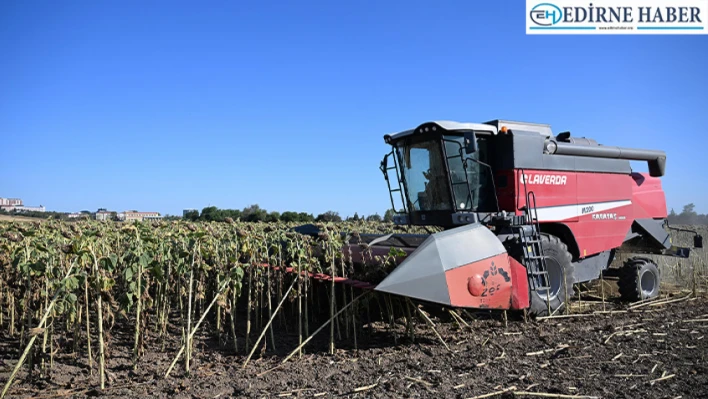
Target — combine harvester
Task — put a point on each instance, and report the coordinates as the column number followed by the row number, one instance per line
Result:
column 526, row 214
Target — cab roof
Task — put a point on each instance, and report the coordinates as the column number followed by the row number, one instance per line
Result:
column 491, row 126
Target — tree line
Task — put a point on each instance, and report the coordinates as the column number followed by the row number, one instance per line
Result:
column 255, row 213
column 688, row 216
column 36, row 214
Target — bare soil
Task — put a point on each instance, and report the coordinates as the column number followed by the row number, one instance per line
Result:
column 617, row 355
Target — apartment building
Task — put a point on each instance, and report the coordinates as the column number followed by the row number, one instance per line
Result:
column 129, row 216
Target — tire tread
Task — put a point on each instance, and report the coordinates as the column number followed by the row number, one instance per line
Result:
column 628, row 283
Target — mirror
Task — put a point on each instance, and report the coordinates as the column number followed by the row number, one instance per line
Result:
column 470, row 143
column 698, row 241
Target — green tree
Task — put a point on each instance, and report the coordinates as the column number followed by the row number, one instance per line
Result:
column 289, row 217
column 305, row 217
column 211, row 214
column 329, row 216
column 689, row 210
column 190, row 215
column 230, row 213
column 254, row 213
column 273, row 217
column 388, row 216
column 374, row 218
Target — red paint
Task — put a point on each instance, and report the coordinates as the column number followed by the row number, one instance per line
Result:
column 648, row 197
column 496, row 293
column 591, row 235
column 520, row 285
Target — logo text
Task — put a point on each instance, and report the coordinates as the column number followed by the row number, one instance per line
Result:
column 544, row 179
column 604, row 216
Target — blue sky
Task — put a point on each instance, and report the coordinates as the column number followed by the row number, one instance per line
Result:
column 165, row 105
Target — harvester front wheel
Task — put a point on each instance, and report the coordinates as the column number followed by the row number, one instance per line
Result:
column 639, row 279
column 559, row 263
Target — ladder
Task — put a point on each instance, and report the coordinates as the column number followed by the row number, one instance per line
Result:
column 385, row 169
column 529, row 235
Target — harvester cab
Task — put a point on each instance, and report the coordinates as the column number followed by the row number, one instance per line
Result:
column 439, row 173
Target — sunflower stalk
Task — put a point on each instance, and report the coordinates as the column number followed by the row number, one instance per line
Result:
column 42, row 322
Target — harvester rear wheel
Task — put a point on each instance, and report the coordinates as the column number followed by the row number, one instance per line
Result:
column 560, row 274
column 639, row 279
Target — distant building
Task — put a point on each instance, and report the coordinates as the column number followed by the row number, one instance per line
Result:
column 104, row 215
column 129, row 216
column 15, row 204
column 77, row 215
column 40, row 208
column 10, row 202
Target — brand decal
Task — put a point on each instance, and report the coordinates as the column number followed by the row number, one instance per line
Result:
column 491, row 279
column 607, row 216
column 597, row 211
column 558, row 180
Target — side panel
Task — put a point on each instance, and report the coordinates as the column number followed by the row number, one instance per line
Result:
column 551, row 188
column 520, row 289
column 597, row 198
column 605, row 211
column 648, row 197
column 485, row 284
column 556, row 193
column 596, row 207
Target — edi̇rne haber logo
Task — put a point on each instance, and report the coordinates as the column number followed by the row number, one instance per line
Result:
column 633, row 17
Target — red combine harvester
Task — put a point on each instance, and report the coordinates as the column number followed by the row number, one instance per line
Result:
column 525, row 214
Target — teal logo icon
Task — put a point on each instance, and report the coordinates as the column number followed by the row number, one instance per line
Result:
column 546, row 14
